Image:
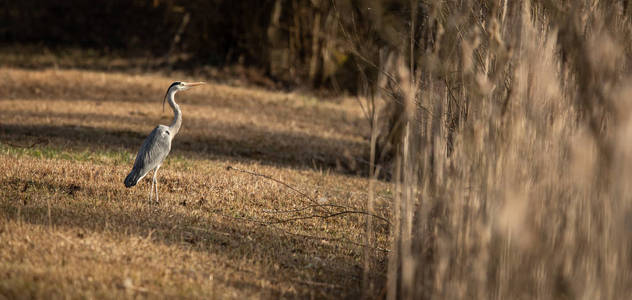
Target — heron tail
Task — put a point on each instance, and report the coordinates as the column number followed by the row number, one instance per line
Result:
column 132, row 178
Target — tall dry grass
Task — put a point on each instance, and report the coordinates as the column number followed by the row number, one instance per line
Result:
column 512, row 172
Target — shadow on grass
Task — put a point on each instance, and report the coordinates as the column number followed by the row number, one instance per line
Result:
column 201, row 139
column 281, row 109
column 230, row 240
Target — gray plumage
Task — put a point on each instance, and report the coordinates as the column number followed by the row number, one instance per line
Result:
column 152, row 153
column 157, row 145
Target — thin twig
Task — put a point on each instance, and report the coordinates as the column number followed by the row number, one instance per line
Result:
column 329, row 205
column 276, row 211
column 275, row 180
column 344, row 212
column 347, row 210
column 316, row 204
column 270, row 224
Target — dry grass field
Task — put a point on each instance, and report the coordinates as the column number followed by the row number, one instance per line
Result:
column 504, row 127
column 70, row 229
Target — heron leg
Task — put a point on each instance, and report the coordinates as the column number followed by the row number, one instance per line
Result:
column 151, row 190
column 156, row 181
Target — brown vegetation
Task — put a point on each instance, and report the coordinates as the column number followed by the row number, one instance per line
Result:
column 69, row 228
column 503, row 125
column 512, row 170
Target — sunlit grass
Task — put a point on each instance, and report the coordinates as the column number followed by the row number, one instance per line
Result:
column 48, row 152
column 69, row 228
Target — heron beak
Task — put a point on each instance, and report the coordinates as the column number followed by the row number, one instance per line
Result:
column 192, row 84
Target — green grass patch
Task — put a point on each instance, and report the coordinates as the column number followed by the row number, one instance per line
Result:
column 99, row 156
column 96, row 156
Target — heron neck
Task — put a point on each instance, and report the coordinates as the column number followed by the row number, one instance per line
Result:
column 177, row 114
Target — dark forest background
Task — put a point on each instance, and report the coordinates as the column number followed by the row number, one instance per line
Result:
column 298, row 42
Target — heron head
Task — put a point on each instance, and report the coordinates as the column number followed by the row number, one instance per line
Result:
column 179, row 86
column 182, row 86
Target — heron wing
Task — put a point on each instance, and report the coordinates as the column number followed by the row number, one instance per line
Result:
column 154, row 150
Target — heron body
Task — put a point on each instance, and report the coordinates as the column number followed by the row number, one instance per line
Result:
column 157, row 145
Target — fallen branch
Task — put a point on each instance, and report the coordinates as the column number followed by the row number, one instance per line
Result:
column 275, row 211
column 329, row 216
column 275, row 180
column 316, row 205
column 347, row 211
column 271, row 224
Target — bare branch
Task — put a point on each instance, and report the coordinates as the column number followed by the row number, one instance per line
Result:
column 275, row 180
column 348, row 210
column 344, row 212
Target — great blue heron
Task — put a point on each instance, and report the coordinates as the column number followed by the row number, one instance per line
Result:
column 157, row 145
